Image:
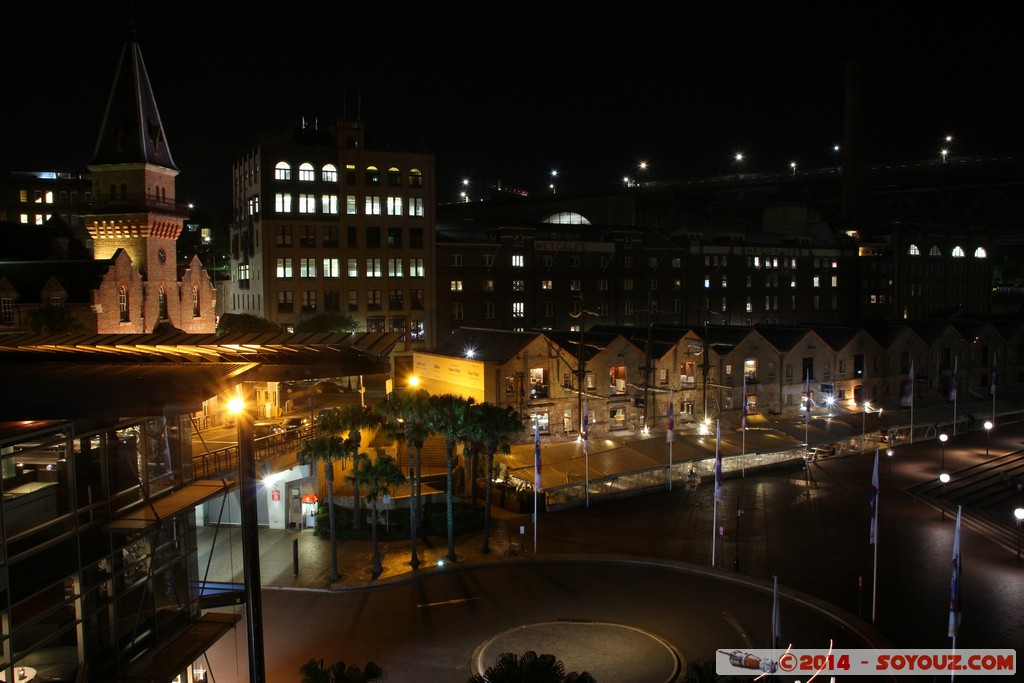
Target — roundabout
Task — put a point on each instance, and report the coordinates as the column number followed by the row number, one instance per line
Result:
column 607, row 651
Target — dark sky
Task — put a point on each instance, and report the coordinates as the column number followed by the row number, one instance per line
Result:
column 510, row 95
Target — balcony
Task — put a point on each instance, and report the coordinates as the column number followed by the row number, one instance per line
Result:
column 139, row 202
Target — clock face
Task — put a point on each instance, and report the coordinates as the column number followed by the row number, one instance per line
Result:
column 162, row 255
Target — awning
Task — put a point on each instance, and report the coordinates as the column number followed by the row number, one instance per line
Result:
column 165, row 661
column 146, row 516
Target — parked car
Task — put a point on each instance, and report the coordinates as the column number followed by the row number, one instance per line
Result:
column 290, row 423
column 267, row 430
column 327, row 388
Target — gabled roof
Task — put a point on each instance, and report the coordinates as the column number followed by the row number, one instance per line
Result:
column 497, row 346
column 132, row 131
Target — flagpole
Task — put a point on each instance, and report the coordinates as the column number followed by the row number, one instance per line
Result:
column 807, row 413
column 955, row 396
column 911, row 401
column 775, row 615
column 743, row 417
column 714, row 526
column 536, row 478
column 994, row 381
column 586, row 450
column 954, row 590
column 874, row 577
column 670, row 433
column 718, row 486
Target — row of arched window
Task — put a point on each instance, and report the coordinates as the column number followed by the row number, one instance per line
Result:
column 957, row 252
column 124, row 306
column 329, row 174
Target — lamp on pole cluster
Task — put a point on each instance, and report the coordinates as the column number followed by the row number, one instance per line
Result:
column 988, row 435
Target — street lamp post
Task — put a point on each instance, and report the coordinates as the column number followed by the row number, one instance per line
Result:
column 888, row 454
column 244, row 409
column 864, row 427
column 944, row 478
column 1019, row 514
column 942, row 463
column 988, row 435
column 739, row 513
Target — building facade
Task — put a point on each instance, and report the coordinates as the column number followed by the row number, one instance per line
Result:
column 626, row 375
column 323, row 224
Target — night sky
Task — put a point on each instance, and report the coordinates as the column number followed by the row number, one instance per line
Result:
column 511, row 95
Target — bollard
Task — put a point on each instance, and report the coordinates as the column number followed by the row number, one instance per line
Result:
column 295, row 556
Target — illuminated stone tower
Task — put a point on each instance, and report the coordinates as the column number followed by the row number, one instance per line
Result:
column 133, row 176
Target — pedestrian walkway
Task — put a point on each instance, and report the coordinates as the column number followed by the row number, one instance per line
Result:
column 300, row 559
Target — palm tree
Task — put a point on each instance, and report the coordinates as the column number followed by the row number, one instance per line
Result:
column 450, row 418
column 407, row 411
column 353, row 419
column 314, row 671
column 379, row 476
column 530, row 668
column 492, row 427
column 327, row 447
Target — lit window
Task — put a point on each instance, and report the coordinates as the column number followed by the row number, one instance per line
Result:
column 456, row 285
column 372, row 175
column 353, row 267
column 329, row 204
column 546, row 284
column 416, row 268
column 372, row 206
column 518, row 309
column 518, row 261
column 394, row 206
column 980, row 253
column 958, row 252
column 415, row 178
column 518, row 285
column 282, row 171
column 283, row 203
column 373, row 267
column 394, row 267
column 913, row 250
column 332, row 268
column 284, row 267
column 122, row 297
column 329, row 173
column 307, row 203
column 350, row 205
column 306, row 173
column 307, row 267
column 416, row 207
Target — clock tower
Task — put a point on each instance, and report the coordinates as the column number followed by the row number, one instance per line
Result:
column 135, row 208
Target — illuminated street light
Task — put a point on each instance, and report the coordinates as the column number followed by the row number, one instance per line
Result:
column 944, row 478
column 945, row 154
column 988, row 435
column 554, row 176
